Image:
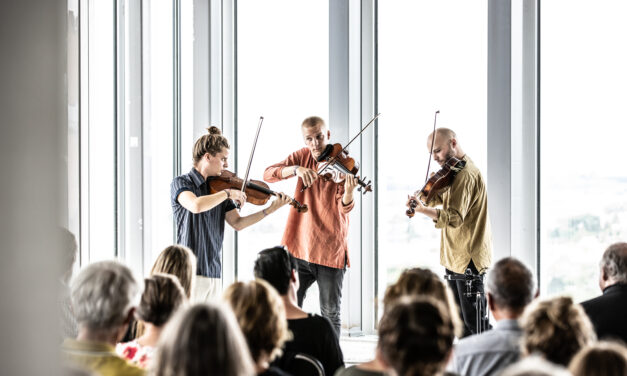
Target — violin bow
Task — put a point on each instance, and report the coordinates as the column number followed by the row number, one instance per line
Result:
column 252, row 152
column 332, row 160
column 435, row 119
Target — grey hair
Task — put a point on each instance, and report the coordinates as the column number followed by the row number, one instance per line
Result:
column 614, row 262
column 510, row 284
column 102, row 295
column 534, row 366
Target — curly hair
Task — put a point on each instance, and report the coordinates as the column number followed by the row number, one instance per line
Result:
column 419, row 281
column 211, row 143
column 602, row 358
column 261, row 316
column 556, row 328
column 416, row 336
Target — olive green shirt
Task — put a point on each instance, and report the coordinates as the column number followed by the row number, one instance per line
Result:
column 97, row 357
column 463, row 218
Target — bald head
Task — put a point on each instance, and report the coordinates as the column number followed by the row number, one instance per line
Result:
column 445, row 145
column 614, row 265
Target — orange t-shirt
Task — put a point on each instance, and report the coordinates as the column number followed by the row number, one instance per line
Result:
column 320, row 235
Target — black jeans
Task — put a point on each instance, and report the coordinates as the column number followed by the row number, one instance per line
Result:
column 468, row 304
column 330, row 285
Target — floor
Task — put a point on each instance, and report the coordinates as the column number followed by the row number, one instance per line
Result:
column 358, row 349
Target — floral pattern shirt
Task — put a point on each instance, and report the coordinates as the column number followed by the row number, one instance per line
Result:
column 135, row 353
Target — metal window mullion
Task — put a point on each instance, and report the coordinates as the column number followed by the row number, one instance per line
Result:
column 119, row 129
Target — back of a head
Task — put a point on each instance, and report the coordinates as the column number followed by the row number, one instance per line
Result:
column 261, row 316
column 202, row 340
column 614, row 262
column 419, row 282
column 275, row 265
column 162, row 296
column 416, row 336
column 600, row 359
column 102, row 295
column 534, row 366
column 556, row 329
column 179, row 261
column 510, row 284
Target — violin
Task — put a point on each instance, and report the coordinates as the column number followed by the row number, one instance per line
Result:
column 257, row 192
column 438, row 181
column 337, row 164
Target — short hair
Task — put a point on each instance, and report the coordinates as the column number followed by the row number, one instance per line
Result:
column 103, row 294
column 275, row 265
column 601, row 358
column 419, row 281
column 510, row 284
column 312, row 121
column 213, row 143
column 179, row 261
column 555, row 328
column 614, row 262
column 416, row 336
column 162, row 296
column 261, row 316
column 534, row 366
column 202, row 340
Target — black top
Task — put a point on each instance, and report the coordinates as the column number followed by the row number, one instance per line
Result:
column 314, row 336
column 608, row 312
column 274, row 371
column 203, row 233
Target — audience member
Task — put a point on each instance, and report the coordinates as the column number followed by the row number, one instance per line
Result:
column 555, row 329
column 202, row 340
column 162, row 296
column 600, row 359
column 179, row 261
column 312, row 334
column 413, row 282
column 261, row 317
column 103, row 296
column 68, row 325
column 416, row 336
column 534, row 366
column 509, row 289
column 608, row 311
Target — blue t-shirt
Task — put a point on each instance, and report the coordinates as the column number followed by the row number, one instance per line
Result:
column 203, row 233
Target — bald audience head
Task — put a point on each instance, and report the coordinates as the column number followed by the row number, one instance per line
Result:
column 614, row 265
column 510, row 287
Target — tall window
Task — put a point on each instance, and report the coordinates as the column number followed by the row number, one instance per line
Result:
column 432, row 56
column 282, row 75
column 583, row 185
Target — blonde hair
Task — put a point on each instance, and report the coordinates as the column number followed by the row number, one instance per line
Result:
column 202, row 340
column 312, row 121
column 602, row 358
column 556, row 328
column 179, row 261
column 261, row 316
column 419, row 281
column 211, row 143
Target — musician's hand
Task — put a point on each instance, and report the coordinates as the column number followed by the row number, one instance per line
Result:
column 410, row 198
column 238, row 197
column 308, row 175
column 350, row 182
column 280, row 200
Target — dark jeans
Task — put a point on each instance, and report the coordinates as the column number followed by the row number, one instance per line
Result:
column 468, row 304
column 330, row 286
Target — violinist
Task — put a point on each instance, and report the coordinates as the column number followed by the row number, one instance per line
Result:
column 463, row 218
column 318, row 240
column 200, row 215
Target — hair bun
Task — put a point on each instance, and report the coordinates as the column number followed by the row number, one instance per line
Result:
column 214, row 130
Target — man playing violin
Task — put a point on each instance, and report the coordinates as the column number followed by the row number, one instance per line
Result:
column 200, row 215
column 466, row 239
column 319, row 239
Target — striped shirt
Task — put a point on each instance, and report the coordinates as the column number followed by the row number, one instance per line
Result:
column 203, row 233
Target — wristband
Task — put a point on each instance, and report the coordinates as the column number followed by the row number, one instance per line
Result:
column 264, row 213
column 296, row 171
column 228, row 193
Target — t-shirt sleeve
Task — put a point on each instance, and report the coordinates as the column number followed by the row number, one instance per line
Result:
column 179, row 184
column 332, row 358
column 229, row 205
